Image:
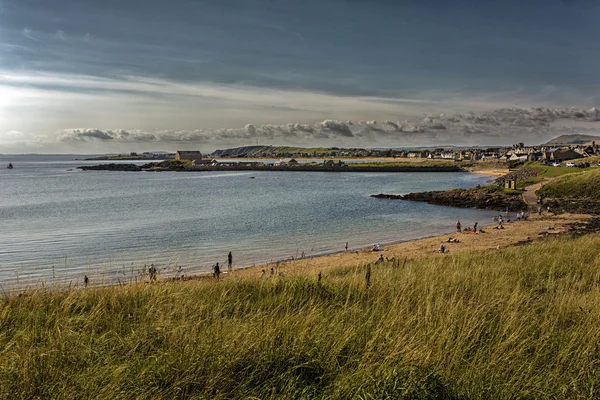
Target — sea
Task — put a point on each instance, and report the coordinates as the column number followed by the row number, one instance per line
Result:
column 59, row 223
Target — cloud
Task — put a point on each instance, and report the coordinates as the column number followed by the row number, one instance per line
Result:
column 60, row 34
column 122, row 135
column 29, row 35
column 250, row 129
column 461, row 128
column 336, row 128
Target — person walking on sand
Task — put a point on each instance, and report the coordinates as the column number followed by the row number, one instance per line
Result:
column 346, row 246
column 458, row 226
column 86, row 281
column 152, row 272
column 229, row 261
column 216, row 271
column 475, row 227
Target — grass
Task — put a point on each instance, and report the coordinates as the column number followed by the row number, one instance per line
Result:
column 498, row 189
column 175, row 164
column 548, row 172
column 582, row 184
column 520, row 322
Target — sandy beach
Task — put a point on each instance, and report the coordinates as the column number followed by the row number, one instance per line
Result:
column 496, row 172
column 518, row 232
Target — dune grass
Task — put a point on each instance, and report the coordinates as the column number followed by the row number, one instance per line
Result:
column 582, row 184
column 520, row 322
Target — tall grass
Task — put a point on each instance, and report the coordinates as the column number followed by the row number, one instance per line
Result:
column 520, row 322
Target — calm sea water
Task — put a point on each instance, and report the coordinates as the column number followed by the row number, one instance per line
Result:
column 59, row 223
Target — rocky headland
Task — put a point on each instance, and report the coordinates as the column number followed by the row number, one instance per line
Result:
column 483, row 197
column 113, row 167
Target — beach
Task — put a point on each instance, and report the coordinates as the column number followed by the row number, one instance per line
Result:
column 514, row 233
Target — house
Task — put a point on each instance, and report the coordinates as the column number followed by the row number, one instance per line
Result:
column 560, row 155
column 417, row 154
column 188, row 155
column 286, row 161
column 212, row 162
column 517, row 157
column 535, row 156
column 490, row 156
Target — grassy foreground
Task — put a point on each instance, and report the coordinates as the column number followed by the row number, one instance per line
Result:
column 520, row 322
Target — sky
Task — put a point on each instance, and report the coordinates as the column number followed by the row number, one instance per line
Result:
column 121, row 75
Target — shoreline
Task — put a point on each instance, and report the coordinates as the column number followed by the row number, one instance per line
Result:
column 515, row 233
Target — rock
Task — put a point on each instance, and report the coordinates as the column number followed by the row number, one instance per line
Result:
column 574, row 205
column 487, row 198
column 112, row 167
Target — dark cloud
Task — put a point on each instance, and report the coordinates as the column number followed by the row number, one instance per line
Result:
column 336, row 127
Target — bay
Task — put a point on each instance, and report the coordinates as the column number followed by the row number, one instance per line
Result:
column 59, row 223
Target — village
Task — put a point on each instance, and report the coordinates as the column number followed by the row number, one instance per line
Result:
column 333, row 157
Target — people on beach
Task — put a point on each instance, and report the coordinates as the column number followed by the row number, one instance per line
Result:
column 442, row 249
column 152, row 272
column 263, row 274
column 539, row 210
column 458, row 226
column 377, row 247
column 346, row 246
column 452, row 240
column 216, row 271
column 86, row 281
column 229, row 261
column 475, row 227
column 380, row 259
column 272, row 273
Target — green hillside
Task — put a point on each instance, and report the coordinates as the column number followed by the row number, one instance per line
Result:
column 582, row 184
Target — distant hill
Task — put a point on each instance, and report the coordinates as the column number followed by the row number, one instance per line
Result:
column 564, row 140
